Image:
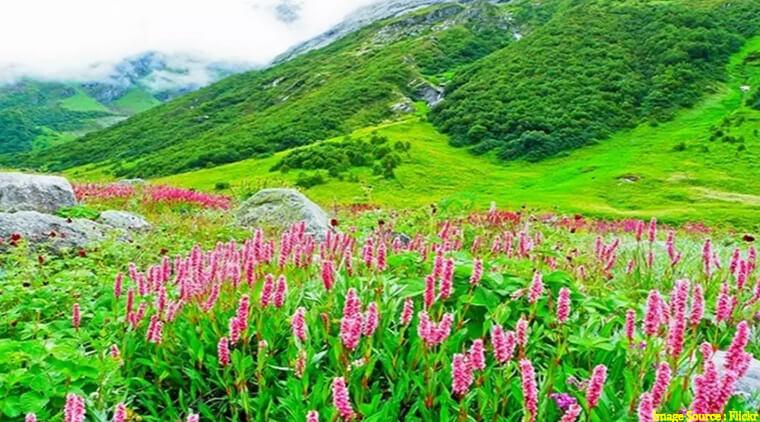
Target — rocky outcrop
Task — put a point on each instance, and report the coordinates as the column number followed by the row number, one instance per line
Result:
column 28, row 192
column 280, row 208
column 749, row 385
column 124, row 220
column 58, row 233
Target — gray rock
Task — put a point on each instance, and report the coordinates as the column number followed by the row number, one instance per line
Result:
column 29, row 192
column 124, row 220
column 404, row 106
column 49, row 230
column 280, row 208
column 749, row 385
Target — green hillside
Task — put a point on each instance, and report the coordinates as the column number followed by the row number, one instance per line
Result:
column 580, row 72
column 350, row 84
column 679, row 171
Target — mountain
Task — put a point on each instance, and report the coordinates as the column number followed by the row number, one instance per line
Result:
column 519, row 80
column 370, row 75
column 37, row 113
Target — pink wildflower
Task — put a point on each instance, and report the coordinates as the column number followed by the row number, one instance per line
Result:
column 630, row 324
column 74, row 411
column 352, row 305
column 536, row 288
column 155, row 328
column 312, row 416
column 697, row 305
column 351, row 330
column 652, row 233
column 596, row 385
column 120, row 413
column 725, row 305
column 461, row 374
column 76, row 316
column 646, row 408
column 266, row 290
column 476, row 355
column 572, row 413
column 653, row 317
column 341, row 401
column 223, row 351
column 371, row 318
column 117, row 285
column 30, row 417
column 529, row 389
column 429, row 295
column 298, row 324
column 477, row 272
column 193, row 417
column 736, row 357
column 521, row 332
column 114, row 352
column 381, row 257
column 328, row 274
column 280, row 292
column 407, row 311
column 447, row 279
column 661, row 383
column 503, row 343
column 563, row 305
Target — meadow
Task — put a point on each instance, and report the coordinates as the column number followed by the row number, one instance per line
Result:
column 431, row 314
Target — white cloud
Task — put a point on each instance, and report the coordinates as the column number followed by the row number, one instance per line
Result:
column 81, row 39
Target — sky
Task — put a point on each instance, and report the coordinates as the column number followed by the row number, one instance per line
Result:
column 82, row 39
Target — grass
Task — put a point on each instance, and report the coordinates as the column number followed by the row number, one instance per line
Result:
column 634, row 173
column 135, row 101
column 82, row 102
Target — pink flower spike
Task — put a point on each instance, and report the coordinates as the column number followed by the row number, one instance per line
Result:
column 30, row 417
column 529, row 389
column 596, row 385
column 521, row 332
column 536, row 288
column 117, row 285
column 653, row 314
column 341, row 400
column 429, row 294
column 280, row 291
column 563, row 305
column 74, row 410
column 646, row 408
column 223, row 351
column 477, row 272
column 630, row 324
column 312, row 416
column 407, row 311
column 371, row 319
column 328, row 274
column 661, row 383
column 266, row 290
column 476, row 355
column 461, row 374
column 298, row 324
column 572, row 413
column 120, row 413
column 76, row 316
column 697, row 305
column 193, row 417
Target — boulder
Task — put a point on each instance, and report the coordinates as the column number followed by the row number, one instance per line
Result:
column 749, row 385
column 49, row 230
column 28, row 192
column 280, row 208
column 124, row 220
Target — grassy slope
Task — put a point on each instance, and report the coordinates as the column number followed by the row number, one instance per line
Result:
column 135, row 101
column 82, row 102
column 716, row 186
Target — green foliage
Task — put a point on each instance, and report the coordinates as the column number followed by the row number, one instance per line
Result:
column 594, row 68
column 322, row 94
column 309, row 180
column 338, row 157
column 26, row 108
column 78, row 211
